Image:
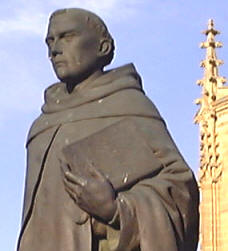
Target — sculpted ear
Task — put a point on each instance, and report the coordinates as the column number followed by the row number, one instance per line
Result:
column 105, row 48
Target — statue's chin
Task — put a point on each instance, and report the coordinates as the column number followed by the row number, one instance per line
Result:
column 61, row 73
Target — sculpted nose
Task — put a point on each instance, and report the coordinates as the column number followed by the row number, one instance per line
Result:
column 54, row 53
column 55, row 49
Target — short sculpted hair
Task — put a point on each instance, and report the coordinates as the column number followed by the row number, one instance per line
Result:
column 94, row 22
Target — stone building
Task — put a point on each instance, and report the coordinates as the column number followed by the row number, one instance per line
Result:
column 212, row 118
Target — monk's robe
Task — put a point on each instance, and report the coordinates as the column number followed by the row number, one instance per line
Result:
column 156, row 213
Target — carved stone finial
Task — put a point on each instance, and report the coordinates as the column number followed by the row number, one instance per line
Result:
column 206, row 116
column 211, row 28
column 211, row 80
column 210, row 24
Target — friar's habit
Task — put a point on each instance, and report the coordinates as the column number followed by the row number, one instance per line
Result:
column 157, row 213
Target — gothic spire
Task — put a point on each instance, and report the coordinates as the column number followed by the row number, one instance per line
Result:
column 206, row 116
column 211, row 80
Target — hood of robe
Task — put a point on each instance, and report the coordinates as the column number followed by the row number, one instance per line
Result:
column 58, row 99
column 117, row 92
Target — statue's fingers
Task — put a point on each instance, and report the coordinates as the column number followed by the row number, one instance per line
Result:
column 74, row 190
column 64, row 166
column 71, row 194
column 69, row 191
column 69, row 185
column 94, row 172
column 75, row 179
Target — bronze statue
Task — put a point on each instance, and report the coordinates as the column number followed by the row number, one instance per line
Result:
column 102, row 171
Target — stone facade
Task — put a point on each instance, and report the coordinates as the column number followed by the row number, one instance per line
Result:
column 212, row 118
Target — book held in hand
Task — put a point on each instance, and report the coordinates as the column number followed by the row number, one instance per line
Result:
column 119, row 151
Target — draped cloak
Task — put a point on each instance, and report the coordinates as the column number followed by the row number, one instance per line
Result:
column 159, row 213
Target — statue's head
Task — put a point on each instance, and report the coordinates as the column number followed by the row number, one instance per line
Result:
column 79, row 44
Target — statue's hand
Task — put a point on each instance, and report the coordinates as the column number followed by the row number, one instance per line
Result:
column 92, row 193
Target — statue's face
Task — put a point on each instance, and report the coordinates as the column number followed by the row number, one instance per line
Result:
column 73, row 47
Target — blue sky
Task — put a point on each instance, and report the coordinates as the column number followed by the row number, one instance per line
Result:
column 160, row 37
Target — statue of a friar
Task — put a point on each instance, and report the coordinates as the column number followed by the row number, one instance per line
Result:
column 103, row 172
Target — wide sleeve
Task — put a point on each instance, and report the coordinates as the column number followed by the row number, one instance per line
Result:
column 159, row 213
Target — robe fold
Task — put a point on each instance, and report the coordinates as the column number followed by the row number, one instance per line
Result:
column 157, row 213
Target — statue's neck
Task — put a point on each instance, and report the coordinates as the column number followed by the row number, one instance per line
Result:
column 71, row 85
